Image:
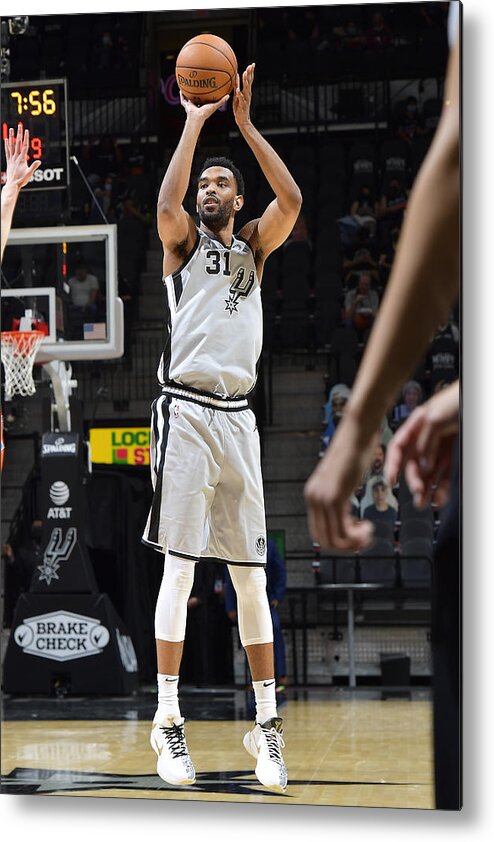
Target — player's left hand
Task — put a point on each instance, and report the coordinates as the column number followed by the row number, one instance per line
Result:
column 242, row 98
column 18, row 173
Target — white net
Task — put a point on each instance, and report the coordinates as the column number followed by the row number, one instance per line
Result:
column 18, row 352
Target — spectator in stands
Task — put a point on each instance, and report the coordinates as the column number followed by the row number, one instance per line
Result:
column 361, row 304
column 409, row 122
column 85, row 299
column 358, row 259
column 364, row 203
column 104, row 52
column 376, row 468
column 276, row 587
column 391, row 209
column 335, row 403
column 364, row 209
column 356, row 230
column 84, row 288
column 379, row 35
column 349, row 37
column 333, row 411
column 412, row 396
column 361, row 261
column 377, row 464
column 358, row 227
column 104, row 195
column 380, row 511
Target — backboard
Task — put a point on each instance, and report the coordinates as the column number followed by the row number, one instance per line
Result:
column 67, row 275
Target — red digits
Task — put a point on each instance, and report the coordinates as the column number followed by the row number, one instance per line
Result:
column 36, row 147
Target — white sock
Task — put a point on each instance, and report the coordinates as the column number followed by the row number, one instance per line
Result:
column 265, row 693
column 168, row 707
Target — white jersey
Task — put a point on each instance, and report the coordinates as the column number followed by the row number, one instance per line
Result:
column 215, row 319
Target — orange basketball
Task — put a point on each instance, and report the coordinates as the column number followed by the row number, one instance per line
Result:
column 206, row 69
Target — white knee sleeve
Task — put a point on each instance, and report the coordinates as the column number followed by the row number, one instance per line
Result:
column 254, row 617
column 171, row 607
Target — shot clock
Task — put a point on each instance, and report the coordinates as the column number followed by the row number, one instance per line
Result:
column 41, row 107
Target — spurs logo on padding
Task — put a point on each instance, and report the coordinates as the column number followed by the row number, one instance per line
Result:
column 57, row 550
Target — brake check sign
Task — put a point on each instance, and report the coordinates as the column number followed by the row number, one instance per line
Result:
column 61, row 636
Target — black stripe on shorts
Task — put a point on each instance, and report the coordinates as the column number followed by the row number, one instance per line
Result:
column 161, row 406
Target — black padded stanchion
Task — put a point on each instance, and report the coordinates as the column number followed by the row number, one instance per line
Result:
column 64, row 633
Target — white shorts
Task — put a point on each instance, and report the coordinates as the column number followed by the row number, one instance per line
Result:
column 206, row 472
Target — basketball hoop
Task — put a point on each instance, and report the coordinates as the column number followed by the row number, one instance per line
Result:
column 19, row 349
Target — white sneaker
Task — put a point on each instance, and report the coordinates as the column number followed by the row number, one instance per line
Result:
column 174, row 764
column 264, row 743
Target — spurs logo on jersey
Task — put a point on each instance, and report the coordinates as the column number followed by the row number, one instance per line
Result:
column 214, row 335
column 240, row 288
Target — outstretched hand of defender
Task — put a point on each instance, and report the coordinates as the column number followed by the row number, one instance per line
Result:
column 242, row 98
column 201, row 112
column 327, row 492
column 423, row 448
column 18, row 172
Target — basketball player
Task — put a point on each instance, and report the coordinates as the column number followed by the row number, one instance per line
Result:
column 17, row 175
column 423, row 286
column 208, row 494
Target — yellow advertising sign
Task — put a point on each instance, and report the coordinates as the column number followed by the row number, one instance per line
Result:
column 119, row 445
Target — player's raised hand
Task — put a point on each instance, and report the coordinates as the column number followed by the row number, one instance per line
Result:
column 18, row 172
column 242, row 98
column 201, row 112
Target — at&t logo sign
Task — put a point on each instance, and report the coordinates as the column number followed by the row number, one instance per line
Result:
column 59, row 494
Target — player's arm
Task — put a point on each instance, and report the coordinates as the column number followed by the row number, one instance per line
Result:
column 17, row 176
column 175, row 226
column 421, row 290
column 277, row 221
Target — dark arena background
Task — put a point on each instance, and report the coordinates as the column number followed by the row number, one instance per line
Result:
column 350, row 97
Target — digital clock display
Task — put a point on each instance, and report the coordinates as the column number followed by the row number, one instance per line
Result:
column 41, row 107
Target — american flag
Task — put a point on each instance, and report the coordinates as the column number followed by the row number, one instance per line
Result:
column 95, row 330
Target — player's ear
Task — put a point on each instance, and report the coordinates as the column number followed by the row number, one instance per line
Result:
column 238, row 203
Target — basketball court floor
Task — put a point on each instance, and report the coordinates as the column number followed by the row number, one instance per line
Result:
column 343, row 748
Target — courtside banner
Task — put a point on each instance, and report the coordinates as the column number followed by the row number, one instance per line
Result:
column 119, row 445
